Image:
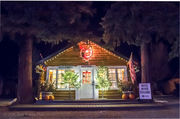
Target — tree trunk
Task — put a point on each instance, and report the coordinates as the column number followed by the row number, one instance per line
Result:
column 25, row 91
column 144, row 63
column 1, row 86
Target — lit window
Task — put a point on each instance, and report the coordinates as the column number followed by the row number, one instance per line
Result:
column 112, row 78
column 52, row 76
column 120, row 73
column 112, row 74
column 60, row 79
column 115, row 75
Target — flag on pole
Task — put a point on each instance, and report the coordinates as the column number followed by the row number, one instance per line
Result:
column 132, row 69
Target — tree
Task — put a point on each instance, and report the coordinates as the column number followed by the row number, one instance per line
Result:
column 103, row 82
column 140, row 24
column 70, row 79
column 28, row 22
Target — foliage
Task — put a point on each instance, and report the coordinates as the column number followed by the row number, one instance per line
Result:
column 50, row 23
column 125, row 85
column 39, row 69
column 103, row 82
column 47, row 87
column 128, row 86
column 51, row 87
column 70, row 78
column 174, row 50
column 143, row 24
column 138, row 23
column 41, row 21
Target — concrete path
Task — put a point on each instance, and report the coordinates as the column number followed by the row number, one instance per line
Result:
column 169, row 110
column 85, row 106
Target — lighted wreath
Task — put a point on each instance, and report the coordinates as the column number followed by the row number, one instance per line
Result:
column 86, row 52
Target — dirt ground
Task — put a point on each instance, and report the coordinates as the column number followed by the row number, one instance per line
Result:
column 169, row 112
column 172, row 112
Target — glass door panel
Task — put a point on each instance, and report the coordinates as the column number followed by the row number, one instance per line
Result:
column 86, row 79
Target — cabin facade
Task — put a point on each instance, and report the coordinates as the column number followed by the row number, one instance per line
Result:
column 84, row 58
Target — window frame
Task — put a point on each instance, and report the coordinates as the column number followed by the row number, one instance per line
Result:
column 59, row 68
column 116, row 72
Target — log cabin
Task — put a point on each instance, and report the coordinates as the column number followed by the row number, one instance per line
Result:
column 83, row 58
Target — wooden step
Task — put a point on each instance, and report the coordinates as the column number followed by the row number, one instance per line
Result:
column 64, row 98
column 110, row 94
column 64, row 91
column 110, row 91
column 64, row 94
column 110, row 98
column 72, row 93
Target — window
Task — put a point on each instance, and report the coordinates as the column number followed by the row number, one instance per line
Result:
column 52, row 76
column 60, row 79
column 115, row 75
column 112, row 78
column 121, row 74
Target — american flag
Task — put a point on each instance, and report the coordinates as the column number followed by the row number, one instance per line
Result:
column 132, row 69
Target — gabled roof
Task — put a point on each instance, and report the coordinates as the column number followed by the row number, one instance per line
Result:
column 70, row 56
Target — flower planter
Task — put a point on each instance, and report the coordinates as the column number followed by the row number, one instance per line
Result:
column 131, row 95
column 51, row 97
column 46, row 96
column 124, row 95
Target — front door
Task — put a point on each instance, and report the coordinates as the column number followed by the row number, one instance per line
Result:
column 87, row 89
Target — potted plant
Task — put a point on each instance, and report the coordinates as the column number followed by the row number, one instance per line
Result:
column 126, row 88
column 46, row 91
column 133, row 90
column 103, row 82
column 50, row 91
column 70, row 78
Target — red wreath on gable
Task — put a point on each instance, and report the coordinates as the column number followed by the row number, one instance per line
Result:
column 86, row 52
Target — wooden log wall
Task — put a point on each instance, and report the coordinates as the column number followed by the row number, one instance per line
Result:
column 71, row 57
